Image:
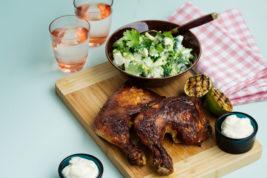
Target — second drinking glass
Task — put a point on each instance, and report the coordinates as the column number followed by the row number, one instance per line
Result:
column 98, row 14
column 69, row 36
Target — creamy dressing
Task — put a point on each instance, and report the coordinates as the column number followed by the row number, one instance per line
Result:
column 237, row 128
column 80, row 168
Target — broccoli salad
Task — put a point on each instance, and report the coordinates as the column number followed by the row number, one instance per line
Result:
column 160, row 55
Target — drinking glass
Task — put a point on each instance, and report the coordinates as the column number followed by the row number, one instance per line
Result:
column 70, row 37
column 98, row 14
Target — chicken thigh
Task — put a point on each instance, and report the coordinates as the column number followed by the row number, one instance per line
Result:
column 114, row 120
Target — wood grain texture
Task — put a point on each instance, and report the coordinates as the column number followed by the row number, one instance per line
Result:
column 86, row 92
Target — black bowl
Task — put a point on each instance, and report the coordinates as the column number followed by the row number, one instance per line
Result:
column 190, row 41
column 65, row 162
column 235, row 146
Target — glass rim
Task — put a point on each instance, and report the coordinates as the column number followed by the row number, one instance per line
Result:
column 78, row 6
column 57, row 18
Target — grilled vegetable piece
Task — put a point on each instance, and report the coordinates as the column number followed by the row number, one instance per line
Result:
column 198, row 86
column 217, row 103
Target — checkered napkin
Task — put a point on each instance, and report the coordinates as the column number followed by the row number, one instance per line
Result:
column 230, row 56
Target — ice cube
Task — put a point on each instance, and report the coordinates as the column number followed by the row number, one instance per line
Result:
column 70, row 34
column 70, row 37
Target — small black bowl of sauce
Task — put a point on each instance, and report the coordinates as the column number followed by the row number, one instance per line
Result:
column 95, row 162
column 231, row 140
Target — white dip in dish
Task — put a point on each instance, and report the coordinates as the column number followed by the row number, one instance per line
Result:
column 236, row 128
column 80, row 168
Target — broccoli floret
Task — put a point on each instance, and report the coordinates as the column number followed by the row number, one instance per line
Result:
column 134, row 68
column 167, row 69
column 119, row 44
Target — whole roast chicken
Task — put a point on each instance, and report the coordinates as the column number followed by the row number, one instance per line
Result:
column 152, row 116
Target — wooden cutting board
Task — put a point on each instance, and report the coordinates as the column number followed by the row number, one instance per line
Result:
column 85, row 93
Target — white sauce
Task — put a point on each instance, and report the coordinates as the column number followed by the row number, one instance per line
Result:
column 80, row 168
column 237, row 128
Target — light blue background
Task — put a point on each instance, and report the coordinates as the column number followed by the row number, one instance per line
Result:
column 36, row 129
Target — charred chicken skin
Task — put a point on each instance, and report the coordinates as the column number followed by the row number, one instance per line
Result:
column 115, row 119
column 181, row 117
column 151, row 116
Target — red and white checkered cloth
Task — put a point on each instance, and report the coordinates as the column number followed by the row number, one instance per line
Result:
column 230, row 56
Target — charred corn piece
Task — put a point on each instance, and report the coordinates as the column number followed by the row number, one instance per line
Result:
column 197, row 86
column 217, row 103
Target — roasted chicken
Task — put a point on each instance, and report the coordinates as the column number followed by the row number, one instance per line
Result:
column 115, row 119
column 151, row 116
column 182, row 117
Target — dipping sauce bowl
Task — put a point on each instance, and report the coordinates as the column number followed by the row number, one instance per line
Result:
column 231, row 145
column 65, row 162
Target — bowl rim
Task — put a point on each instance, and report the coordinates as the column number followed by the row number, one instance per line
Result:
column 95, row 159
column 155, row 78
column 222, row 117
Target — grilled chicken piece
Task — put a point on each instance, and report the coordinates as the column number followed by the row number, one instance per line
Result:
column 115, row 119
column 182, row 117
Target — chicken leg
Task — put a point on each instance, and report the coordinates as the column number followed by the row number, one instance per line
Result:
column 182, row 117
column 114, row 121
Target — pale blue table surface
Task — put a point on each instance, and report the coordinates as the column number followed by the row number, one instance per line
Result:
column 36, row 129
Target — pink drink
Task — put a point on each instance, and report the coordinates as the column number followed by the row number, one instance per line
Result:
column 70, row 45
column 70, row 48
column 99, row 17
